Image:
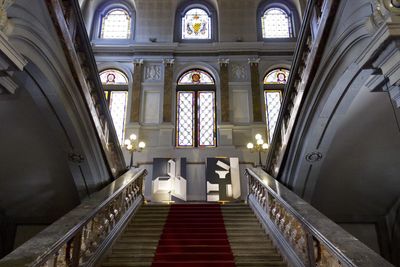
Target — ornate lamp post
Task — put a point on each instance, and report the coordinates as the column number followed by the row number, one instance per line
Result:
column 260, row 146
column 133, row 145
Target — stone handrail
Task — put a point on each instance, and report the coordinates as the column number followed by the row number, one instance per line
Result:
column 316, row 26
column 304, row 235
column 67, row 18
column 82, row 236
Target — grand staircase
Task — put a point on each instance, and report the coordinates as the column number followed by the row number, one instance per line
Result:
column 194, row 235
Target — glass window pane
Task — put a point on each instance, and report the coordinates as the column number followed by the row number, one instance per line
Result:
column 185, row 117
column 206, row 115
column 275, row 24
column 195, row 77
column 116, row 24
column 113, row 77
column 118, row 103
column 273, row 101
column 196, row 24
column 278, row 76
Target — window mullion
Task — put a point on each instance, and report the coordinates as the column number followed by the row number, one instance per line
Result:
column 197, row 119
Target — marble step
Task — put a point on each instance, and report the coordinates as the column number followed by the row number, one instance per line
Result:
column 249, row 243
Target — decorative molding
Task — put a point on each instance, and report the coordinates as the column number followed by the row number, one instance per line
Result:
column 152, row 73
column 7, row 85
column 10, row 60
column 14, row 59
column 387, row 62
column 239, row 72
column 248, row 49
column 4, row 4
column 378, row 16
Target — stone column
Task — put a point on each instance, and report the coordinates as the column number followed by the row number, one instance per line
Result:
column 168, row 75
column 224, row 79
column 255, row 89
column 136, row 90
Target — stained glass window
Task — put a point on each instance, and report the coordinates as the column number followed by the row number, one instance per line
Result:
column 277, row 76
column 273, row 100
column 116, row 92
column 185, row 123
column 116, row 24
column 274, row 83
column 195, row 77
column 276, row 23
column 206, row 115
column 196, row 24
column 196, row 121
column 109, row 77
column 118, row 102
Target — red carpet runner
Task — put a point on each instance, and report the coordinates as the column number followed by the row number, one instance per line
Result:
column 194, row 236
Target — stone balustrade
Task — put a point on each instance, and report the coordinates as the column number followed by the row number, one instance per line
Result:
column 311, row 41
column 67, row 18
column 303, row 235
column 82, row 236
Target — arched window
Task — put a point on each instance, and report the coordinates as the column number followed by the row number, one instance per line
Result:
column 115, row 84
column 276, row 24
column 196, row 22
column 116, row 24
column 276, row 19
column 274, row 83
column 195, row 110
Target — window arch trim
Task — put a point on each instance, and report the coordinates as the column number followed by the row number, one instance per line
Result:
column 183, row 9
column 288, row 8
column 99, row 15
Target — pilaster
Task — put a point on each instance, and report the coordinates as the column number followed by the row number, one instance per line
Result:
column 224, row 80
column 168, row 75
column 255, row 89
column 136, row 90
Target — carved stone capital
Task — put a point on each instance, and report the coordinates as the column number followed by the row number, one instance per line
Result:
column 168, row 61
column 254, row 61
column 138, row 61
column 223, row 61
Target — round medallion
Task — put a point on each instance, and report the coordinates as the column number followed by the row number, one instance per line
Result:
column 314, row 156
column 196, row 78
